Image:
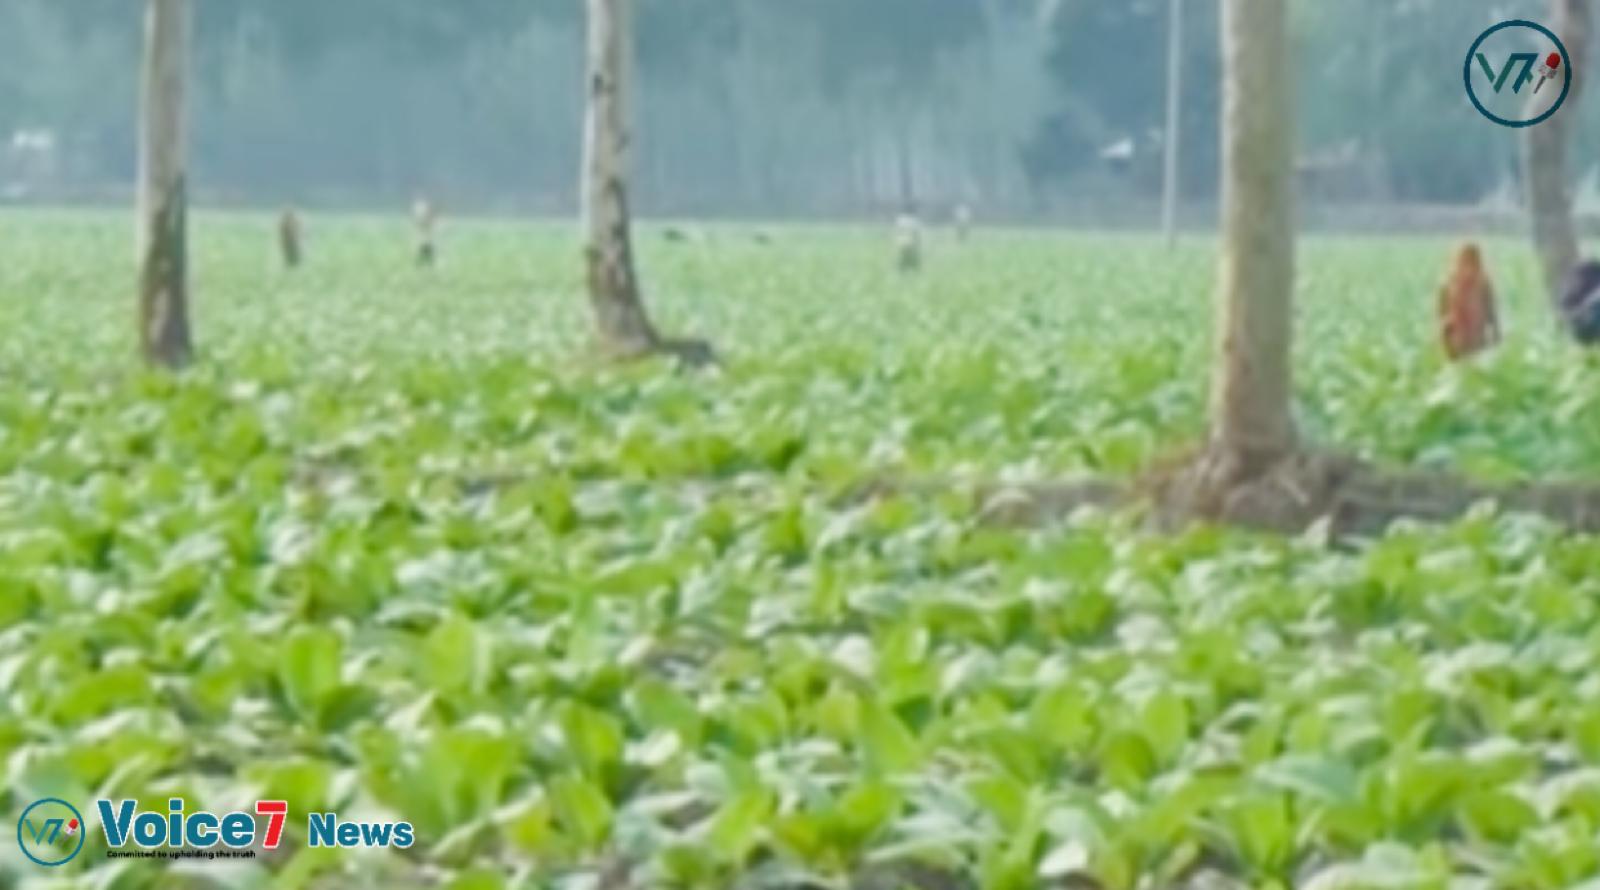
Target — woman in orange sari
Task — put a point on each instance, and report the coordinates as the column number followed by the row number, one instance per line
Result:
column 1468, row 323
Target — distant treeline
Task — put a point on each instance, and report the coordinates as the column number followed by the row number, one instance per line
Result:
column 1022, row 108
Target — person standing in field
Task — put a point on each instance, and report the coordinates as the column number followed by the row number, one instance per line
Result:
column 422, row 215
column 963, row 221
column 1579, row 306
column 1468, row 322
column 908, row 241
column 289, row 233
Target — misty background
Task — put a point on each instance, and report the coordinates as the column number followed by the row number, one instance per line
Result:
column 1024, row 109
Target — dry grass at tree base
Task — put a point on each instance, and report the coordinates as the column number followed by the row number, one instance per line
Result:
column 1292, row 494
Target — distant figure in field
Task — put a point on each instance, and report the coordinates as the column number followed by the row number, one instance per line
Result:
column 908, row 241
column 684, row 235
column 1580, row 303
column 963, row 221
column 289, row 238
column 1468, row 322
column 423, row 216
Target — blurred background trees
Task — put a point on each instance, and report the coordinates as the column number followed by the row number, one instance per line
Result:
column 770, row 107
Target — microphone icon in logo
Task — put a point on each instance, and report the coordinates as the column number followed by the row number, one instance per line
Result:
column 1548, row 70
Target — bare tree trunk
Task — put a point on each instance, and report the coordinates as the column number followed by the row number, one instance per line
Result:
column 1545, row 156
column 623, row 325
column 163, row 197
column 620, row 318
column 1250, row 408
column 1169, row 184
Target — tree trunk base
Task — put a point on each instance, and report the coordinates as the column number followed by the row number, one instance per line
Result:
column 1292, row 493
column 687, row 352
column 1287, row 492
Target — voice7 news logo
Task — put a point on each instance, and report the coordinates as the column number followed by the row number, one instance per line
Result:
column 1504, row 60
column 50, row 832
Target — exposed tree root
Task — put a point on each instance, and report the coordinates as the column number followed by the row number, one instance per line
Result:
column 1023, row 505
column 1374, row 501
column 1286, row 495
column 1281, row 493
column 688, row 352
column 1289, row 494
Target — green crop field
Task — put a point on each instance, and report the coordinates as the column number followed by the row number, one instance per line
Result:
column 400, row 546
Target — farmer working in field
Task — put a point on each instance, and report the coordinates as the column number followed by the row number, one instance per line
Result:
column 1579, row 307
column 1468, row 323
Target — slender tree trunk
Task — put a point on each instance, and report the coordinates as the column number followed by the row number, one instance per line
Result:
column 1250, row 408
column 1169, row 185
column 163, row 197
column 1545, row 156
column 621, row 322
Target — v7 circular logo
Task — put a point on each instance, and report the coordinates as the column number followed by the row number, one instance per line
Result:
column 1518, row 73
column 50, row 832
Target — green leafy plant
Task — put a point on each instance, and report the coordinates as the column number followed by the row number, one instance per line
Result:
column 397, row 545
